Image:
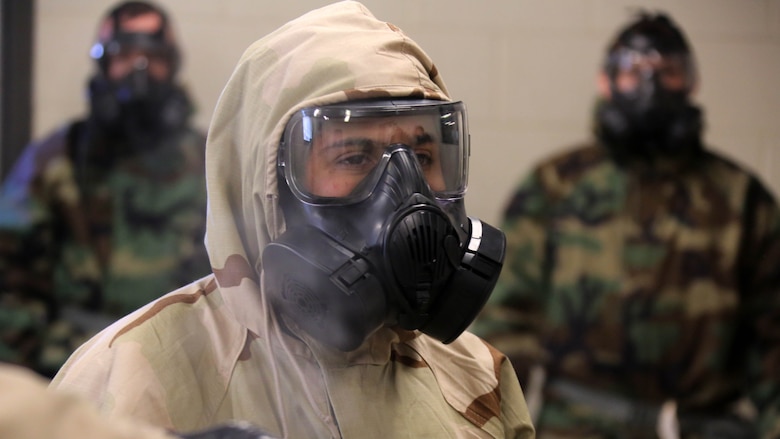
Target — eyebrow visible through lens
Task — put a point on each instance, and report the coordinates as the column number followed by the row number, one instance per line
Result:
column 363, row 143
column 423, row 139
column 367, row 144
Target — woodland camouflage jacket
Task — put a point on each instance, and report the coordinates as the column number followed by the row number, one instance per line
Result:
column 89, row 234
column 649, row 285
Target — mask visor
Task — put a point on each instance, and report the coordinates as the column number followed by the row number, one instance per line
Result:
column 335, row 154
column 629, row 68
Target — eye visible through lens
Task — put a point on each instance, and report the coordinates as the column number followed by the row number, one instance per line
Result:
column 344, row 154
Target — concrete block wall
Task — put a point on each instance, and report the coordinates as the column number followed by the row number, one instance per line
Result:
column 525, row 68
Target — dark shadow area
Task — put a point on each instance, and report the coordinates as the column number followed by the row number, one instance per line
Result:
column 16, row 35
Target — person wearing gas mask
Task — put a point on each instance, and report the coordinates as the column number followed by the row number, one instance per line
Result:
column 108, row 212
column 345, row 268
column 640, row 291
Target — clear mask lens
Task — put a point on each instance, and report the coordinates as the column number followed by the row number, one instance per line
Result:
column 631, row 67
column 336, row 153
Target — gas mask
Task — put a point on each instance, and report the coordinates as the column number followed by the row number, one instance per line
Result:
column 649, row 114
column 377, row 234
column 138, row 107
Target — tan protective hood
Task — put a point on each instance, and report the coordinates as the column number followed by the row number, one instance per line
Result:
column 337, row 53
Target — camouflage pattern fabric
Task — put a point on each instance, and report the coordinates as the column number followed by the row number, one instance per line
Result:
column 28, row 410
column 90, row 231
column 644, row 284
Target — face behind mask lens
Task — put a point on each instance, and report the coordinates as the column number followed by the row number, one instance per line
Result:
column 372, row 195
column 632, row 68
column 335, row 154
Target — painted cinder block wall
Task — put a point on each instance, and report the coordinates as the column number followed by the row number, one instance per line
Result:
column 525, row 68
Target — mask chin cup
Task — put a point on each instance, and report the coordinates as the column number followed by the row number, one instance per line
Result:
column 325, row 288
column 137, row 106
column 331, row 293
column 630, row 133
column 468, row 289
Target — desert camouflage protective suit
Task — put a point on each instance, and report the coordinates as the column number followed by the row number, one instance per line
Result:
column 91, row 230
column 640, row 283
column 28, row 410
column 215, row 350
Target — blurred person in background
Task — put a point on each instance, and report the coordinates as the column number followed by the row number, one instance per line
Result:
column 108, row 212
column 345, row 267
column 640, row 294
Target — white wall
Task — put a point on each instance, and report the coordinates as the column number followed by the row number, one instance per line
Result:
column 525, row 68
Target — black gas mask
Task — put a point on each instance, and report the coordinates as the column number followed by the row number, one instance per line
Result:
column 377, row 234
column 649, row 114
column 138, row 107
